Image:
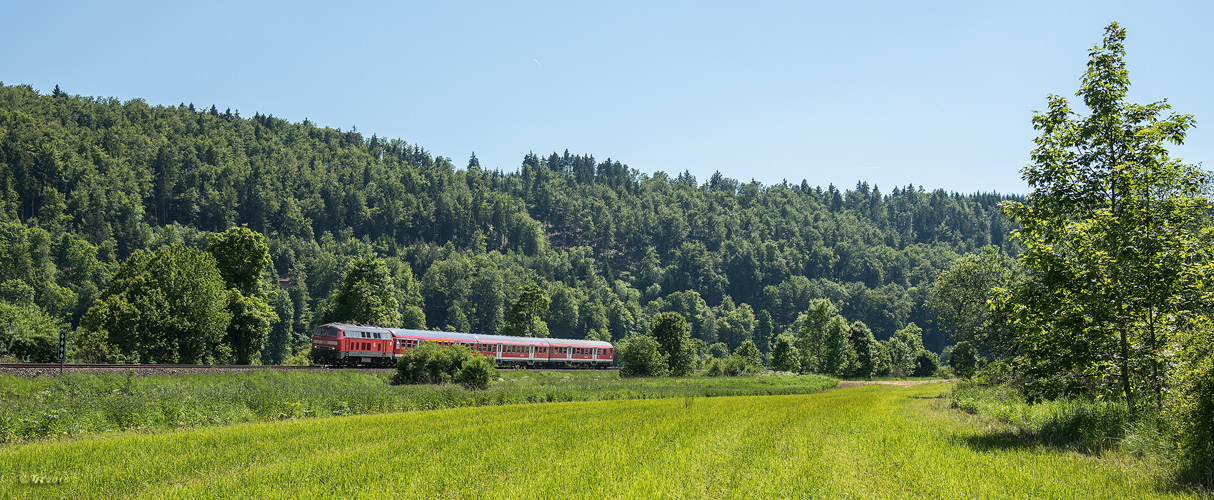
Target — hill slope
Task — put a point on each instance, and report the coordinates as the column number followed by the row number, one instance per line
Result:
column 84, row 182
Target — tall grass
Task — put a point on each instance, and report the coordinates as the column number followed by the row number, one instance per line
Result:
column 79, row 404
column 1083, row 424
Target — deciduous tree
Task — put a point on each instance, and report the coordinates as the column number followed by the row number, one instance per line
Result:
column 674, row 341
column 525, row 316
column 1114, row 235
column 962, row 295
column 366, row 296
column 162, row 306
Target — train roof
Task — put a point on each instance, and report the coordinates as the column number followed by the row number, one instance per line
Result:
column 347, row 327
column 465, row 337
column 433, row 334
column 578, row 342
column 508, row 338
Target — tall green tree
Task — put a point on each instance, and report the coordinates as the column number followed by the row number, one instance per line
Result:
column 250, row 326
column 964, row 359
column 867, row 351
column 765, row 330
column 838, row 355
column 241, row 255
column 674, row 342
column 525, row 318
column 28, row 334
column 162, row 306
column 904, row 346
column 823, row 340
column 784, row 357
column 1114, row 238
column 811, row 333
column 751, row 353
column 366, row 296
column 278, row 344
column 963, row 294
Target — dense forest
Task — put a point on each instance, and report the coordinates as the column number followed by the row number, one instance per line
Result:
column 87, row 182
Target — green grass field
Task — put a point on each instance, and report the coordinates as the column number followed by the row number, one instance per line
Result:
column 42, row 408
column 861, row 442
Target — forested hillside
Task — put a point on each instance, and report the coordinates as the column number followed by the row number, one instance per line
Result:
column 86, row 182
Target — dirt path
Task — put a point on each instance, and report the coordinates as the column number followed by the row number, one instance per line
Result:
column 900, row 383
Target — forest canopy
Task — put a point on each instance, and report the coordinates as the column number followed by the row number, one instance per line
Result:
column 86, row 183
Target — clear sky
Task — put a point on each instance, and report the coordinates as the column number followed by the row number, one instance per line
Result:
column 938, row 94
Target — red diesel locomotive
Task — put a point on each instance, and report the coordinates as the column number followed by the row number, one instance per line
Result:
column 342, row 344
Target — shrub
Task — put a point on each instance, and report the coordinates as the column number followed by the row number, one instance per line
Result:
column 964, row 359
column 430, row 364
column 926, row 363
column 750, row 352
column 784, row 357
column 641, row 357
column 732, row 366
column 476, row 372
column 996, row 372
column 718, row 350
column 1191, row 409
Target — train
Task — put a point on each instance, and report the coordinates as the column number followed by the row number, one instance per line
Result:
column 342, row 344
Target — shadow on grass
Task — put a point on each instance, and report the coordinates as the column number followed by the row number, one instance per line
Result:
column 1024, row 440
column 1191, row 479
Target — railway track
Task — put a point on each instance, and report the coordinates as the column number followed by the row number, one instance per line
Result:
column 46, row 369
column 51, row 369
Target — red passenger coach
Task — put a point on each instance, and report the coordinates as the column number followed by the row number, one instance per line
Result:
column 350, row 345
column 569, row 352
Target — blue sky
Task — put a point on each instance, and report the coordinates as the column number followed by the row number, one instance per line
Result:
column 938, row 94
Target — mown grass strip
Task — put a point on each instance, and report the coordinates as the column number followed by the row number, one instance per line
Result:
column 865, row 442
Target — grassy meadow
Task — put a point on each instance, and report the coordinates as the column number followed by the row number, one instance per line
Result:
column 860, row 442
column 41, row 408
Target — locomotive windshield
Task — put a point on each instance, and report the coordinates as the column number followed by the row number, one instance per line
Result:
column 328, row 331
